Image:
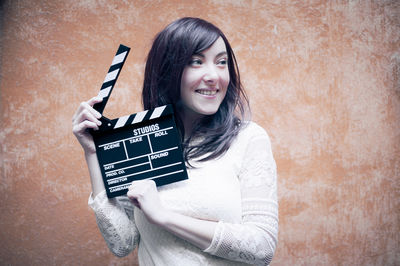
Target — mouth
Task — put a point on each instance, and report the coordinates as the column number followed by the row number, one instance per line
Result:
column 207, row 92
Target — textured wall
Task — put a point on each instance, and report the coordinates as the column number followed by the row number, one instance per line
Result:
column 323, row 79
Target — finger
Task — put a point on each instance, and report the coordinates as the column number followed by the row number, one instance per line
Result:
column 135, row 190
column 140, row 187
column 143, row 182
column 147, row 184
column 81, row 127
column 95, row 100
column 133, row 198
column 83, row 106
column 132, row 190
column 78, row 111
column 86, row 115
column 151, row 182
column 136, row 203
column 89, row 106
column 137, row 183
column 132, row 195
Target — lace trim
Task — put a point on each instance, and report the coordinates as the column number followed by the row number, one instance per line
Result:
column 246, row 243
column 114, row 218
column 215, row 244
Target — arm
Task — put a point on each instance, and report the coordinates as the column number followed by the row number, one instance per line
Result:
column 114, row 216
column 115, row 220
column 144, row 195
column 254, row 240
column 86, row 118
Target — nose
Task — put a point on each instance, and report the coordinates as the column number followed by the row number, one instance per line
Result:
column 210, row 74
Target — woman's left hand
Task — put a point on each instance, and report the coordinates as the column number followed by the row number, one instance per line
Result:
column 144, row 195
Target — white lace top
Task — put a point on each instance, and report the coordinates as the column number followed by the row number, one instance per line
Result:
column 239, row 190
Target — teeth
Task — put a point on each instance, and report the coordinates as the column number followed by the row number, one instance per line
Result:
column 207, row 92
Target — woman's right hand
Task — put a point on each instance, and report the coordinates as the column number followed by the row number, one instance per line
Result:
column 84, row 118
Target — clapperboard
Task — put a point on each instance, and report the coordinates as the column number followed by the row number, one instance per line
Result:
column 145, row 145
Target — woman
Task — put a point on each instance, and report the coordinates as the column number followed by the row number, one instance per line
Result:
column 226, row 213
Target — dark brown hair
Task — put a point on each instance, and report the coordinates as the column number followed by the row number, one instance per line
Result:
column 171, row 51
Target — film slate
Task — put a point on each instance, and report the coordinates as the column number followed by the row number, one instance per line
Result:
column 145, row 145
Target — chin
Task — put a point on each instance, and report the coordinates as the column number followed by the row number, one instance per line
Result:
column 197, row 111
column 208, row 111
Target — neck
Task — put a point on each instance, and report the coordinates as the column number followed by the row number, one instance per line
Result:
column 189, row 119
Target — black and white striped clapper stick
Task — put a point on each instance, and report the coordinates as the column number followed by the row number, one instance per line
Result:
column 112, row 76
column 145, row 145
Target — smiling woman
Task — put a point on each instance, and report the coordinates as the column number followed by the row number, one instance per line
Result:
column 226, row 212
column 180, row 50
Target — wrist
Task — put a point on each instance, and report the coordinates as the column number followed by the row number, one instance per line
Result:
column 90, row 154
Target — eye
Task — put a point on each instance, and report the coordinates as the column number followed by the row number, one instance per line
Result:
column 195, row 62
column 222, row 62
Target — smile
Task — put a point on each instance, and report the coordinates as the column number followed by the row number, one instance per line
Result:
column 207, row 92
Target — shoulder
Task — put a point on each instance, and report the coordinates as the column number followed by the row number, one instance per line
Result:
column 251, row 130
column 251, row 136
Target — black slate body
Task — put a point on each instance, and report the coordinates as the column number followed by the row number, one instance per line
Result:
column 145, row 145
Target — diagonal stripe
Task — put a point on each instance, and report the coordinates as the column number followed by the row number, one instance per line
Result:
column 118, row 58
column 121, row 121
column 111, row 75
column 139, row 117
column 104, row 92
column 157, row 112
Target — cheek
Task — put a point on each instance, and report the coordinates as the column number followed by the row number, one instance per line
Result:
column 186, row 84
column 187, row 80
column 225, row 79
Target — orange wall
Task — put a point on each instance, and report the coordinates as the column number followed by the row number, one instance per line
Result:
column 323, row 79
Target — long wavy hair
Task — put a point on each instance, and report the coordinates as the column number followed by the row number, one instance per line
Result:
column 170, row 53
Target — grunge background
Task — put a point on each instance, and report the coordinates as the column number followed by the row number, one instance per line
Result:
column 323, row 79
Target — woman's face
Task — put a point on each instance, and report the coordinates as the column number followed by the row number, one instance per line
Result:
column 205, row 81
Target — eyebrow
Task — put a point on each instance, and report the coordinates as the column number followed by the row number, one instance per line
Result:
column 218, row 55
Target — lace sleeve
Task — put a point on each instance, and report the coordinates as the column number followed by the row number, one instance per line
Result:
column 116, row 223
column 253, row 241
